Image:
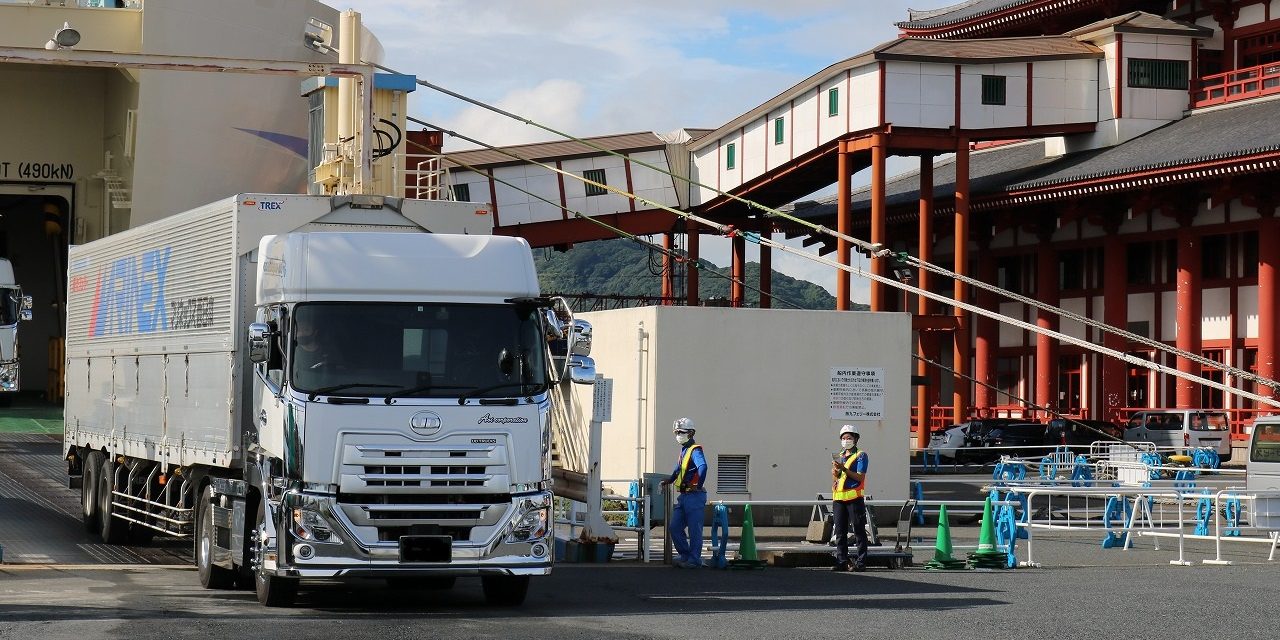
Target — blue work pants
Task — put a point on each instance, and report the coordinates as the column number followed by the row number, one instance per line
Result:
column 850, row 514
column 688, row 513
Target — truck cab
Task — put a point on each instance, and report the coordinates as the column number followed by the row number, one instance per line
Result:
column 14, row 308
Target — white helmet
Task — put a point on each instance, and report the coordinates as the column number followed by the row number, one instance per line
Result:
column 683, row 424
column 848, row 428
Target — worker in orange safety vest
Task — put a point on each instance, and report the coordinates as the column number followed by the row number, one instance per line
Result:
column 849, row 472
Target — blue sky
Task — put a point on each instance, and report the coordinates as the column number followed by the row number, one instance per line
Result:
column 615, row 67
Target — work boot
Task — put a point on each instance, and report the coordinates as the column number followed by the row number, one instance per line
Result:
column 840, row 566
column 860, row 567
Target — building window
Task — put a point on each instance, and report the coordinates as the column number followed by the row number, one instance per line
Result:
column 1071, row 270
column 1008, row 375
column 1249, row 249
column 779, row 130
column 462, row 192
column 1213, row 257
column 833, row 101
column 1211, row 398
column 729, row 160
column 594, row 175
column 993, row 89
column 731, row 474
column 1009, row 273
column 1158, row 74
column 1138, row 256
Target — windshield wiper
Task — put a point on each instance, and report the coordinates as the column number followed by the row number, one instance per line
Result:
column 538, row 387
column 324, row 391
column 413, row 391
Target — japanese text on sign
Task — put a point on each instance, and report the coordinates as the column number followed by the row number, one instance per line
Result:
column 857, row 393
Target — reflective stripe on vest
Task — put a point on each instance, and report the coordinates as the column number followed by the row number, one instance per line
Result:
column 685, row 463
column 838, row 492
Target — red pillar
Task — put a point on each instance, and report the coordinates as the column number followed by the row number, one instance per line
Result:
column 739, row 292
column 766, row 274
column 1189, row 315
column 1115, row 310
column 844, row 224
column 960, row 337
column 691, row 288
column 987, row 335
column 925, row 253
column 668, row 269
column 1046, row 347
column 878, row 266
column 1268, row 264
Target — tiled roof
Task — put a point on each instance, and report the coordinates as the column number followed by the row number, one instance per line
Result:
column 556, row 149
column 1143, row 22
column 1039, row 47
column 957, row 13
column 1238, row 131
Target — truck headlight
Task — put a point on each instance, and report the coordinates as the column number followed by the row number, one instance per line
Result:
column 311, row 526
column 533, row 523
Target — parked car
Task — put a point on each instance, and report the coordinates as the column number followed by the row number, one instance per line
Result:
column 947, row 441
column 983, row 432
column 1177, row 430
column 1031, row 439
column 1079, row 434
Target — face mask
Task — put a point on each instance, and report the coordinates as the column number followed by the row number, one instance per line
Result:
column 846, row 444
column 682, row 438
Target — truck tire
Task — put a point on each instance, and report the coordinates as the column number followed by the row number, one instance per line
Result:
column 273, row 591
column 505, row 591
column 211, row 575
column 88, row 491
column 113, row 531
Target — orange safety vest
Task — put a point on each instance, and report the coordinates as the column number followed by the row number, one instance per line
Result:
column 839, row 490
column 685, row 463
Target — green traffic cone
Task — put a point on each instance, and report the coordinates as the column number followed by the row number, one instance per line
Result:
column 942, row 548
column 747, row 556
column 987, row 557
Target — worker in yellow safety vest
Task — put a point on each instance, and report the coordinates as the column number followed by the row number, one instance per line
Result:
column 849, row 471
column 689, row 476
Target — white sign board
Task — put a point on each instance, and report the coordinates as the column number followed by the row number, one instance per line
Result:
column 857, row 393
column 602, row 400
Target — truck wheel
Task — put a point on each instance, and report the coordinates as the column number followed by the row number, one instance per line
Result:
column 112, row 531
column 88, row 491
column 425, row 583
column 211, row 575
column 273, row 591
column 505, row 591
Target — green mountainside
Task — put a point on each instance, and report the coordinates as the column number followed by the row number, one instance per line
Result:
column 626, row 268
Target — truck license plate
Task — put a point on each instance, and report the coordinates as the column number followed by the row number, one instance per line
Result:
column 426, row 548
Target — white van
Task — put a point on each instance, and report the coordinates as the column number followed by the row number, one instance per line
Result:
column 1264, row 470
column 1182, row 429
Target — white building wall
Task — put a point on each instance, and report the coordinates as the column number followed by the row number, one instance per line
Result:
column 1154, row 104
column 865, row 94
column 1251, row 14
column 1168, row 315
column 1247, row 312
column 696, row 364
column 758, row 140
column 1011, row 336
column 830, row 126
column 1215, row 308
column 704, row 170
column 651, row 184
column 975, row 115
column 1142, row 309
column 803, row 124
column 902, row 83
column 1071, row 327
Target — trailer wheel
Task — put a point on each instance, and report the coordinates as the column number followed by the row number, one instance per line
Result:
column 211, row 575
column 112, row 531
column 505, row 591
column 273, row 591
column 88, row 491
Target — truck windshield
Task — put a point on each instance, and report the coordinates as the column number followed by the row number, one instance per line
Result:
column 1266, row 443
column 8, row 306
column 417, row 350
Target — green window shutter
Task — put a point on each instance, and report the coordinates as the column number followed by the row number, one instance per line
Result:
column 729, row 160
column 462, row 192
column 595, row 175
column 833, row 101
column 779, row 130
column 1158, row 74
column 993, row 89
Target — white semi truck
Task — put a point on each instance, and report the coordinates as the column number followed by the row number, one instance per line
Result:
column 14, row 307
column 315, row 387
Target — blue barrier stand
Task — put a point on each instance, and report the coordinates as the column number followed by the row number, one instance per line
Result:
column 917, row 492
column 719, row 537
column 1007, row 531
column 1232, row 512
column 1185, row 479
column 1081, row 472
column 633, row 507
column 1206, row 459
column 1117, row 507
column 1204, row 511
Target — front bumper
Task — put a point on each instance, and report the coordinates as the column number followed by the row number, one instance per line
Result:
column 350, row 553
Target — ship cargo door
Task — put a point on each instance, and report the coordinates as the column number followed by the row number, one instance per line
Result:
column 35, row 225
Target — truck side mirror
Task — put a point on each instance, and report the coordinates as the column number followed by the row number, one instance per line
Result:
column 581, row 338
column 582, row 370
column 259, row 342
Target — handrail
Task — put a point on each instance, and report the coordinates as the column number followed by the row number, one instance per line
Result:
column 1239, row 84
